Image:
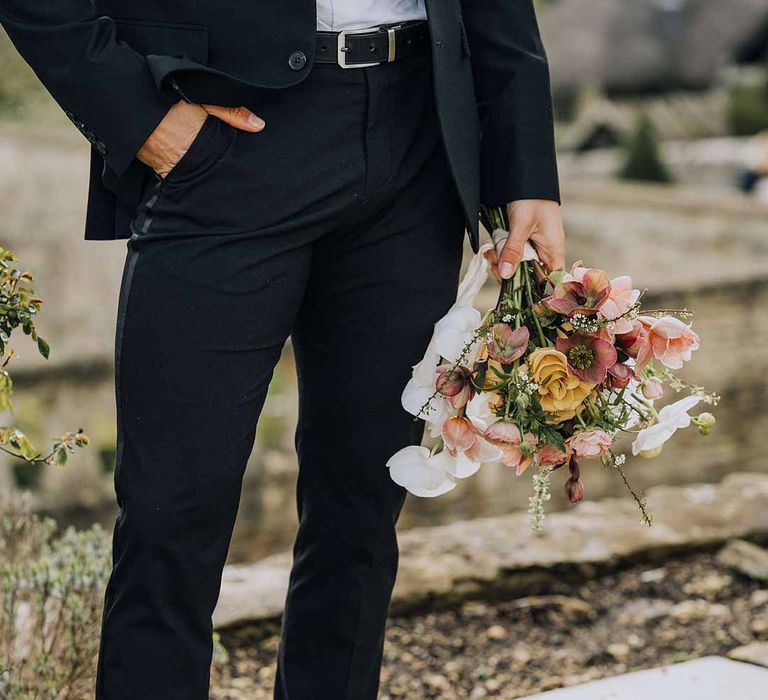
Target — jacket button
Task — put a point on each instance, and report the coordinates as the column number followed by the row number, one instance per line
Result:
column 297, row 60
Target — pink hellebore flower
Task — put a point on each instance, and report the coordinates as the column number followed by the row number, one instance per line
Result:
column 590, row 443
column 589, row 357
column 672, row 341
column 619, row 375
column 507, row 344
column 620, row 300
column 468, row 444
column 584, row 294
column 507, row 437
column 637, row 344
column 455, row 384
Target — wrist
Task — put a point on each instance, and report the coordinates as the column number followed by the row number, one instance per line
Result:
column 172, row 137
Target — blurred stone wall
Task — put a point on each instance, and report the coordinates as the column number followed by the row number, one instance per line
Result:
column 696, row 248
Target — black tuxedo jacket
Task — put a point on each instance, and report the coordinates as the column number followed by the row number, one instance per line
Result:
column 116, row 66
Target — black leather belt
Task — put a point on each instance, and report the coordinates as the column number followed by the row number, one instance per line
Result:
column 361, row 48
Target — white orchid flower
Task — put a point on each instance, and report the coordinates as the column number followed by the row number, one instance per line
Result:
column 421, row 401
column 670, row 419
column 451, row 335
column 421, row 473
column 454, row 331
column 479, row 412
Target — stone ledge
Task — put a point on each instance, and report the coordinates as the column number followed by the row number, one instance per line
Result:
column 482, row 558
column 709, row 678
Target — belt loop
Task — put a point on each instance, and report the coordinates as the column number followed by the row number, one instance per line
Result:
column 392, row 45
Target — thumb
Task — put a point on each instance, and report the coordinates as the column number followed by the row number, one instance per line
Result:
column 512, row 253
column 240, row 117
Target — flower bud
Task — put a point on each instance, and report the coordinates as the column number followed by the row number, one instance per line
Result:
column 705, row 421
column 574, row 490
column 455, row 384
column 652, row 389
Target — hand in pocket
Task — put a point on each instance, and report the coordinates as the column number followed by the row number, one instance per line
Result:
column 177, row 131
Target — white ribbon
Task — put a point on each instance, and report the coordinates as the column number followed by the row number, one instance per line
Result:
column 499, row 238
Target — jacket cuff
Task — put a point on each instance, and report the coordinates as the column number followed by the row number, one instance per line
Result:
column 147, row 110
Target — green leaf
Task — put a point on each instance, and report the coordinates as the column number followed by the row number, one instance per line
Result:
column 44, row 348
column 61, row 457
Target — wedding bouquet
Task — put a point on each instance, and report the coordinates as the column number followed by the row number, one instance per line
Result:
column 553, row 374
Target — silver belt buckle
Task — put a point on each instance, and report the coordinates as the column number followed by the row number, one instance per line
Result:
column 342, row 46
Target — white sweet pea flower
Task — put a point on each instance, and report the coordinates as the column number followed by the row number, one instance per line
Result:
column 420, row 473
column 671, row 418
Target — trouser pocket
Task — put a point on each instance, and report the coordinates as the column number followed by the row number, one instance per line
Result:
column 205, row 153
column 181, row 202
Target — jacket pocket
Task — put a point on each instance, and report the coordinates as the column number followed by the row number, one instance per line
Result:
column 189, row 41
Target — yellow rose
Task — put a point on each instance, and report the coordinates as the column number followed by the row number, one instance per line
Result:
column 561, row 393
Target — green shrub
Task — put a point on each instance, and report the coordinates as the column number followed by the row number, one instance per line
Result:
column 748, row 108
column 643, row 160
column 19, row 307
column 20, row 91
column 51, row 590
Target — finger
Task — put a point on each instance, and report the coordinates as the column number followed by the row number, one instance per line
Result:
column 549, row 241
column 493, row 261
column 240, row 117
column 512, row 253
column 558, row 255
column 544, row 255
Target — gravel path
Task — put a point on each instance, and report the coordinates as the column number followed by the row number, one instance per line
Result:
column 639, row 618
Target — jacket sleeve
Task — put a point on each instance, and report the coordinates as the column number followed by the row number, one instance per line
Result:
column 517, row 152
column 103, row 85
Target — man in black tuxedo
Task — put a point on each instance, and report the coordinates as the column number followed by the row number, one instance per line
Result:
column 302, row 168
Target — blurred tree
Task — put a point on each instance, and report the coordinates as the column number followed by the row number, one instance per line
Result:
column 643, row 160
column 748, row 106
column 20, row 90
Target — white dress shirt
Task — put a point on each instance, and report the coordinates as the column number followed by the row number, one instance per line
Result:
column 338, row 15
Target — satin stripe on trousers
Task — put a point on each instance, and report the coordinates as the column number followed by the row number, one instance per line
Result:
column 338, row 226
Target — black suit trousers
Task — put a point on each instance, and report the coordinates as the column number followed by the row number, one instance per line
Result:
column 339, row 225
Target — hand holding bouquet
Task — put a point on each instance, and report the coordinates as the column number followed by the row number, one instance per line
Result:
column 551, row 376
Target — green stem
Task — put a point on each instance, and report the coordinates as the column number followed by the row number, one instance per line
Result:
column 531, row 302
